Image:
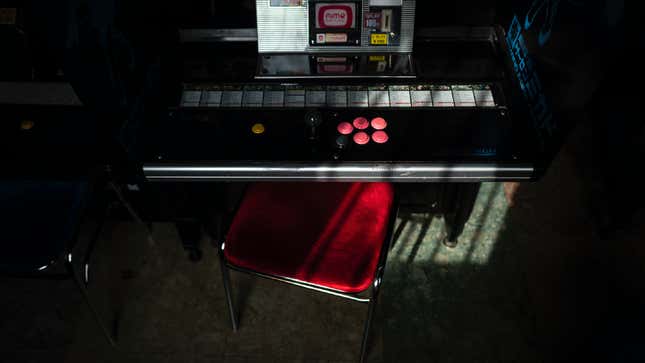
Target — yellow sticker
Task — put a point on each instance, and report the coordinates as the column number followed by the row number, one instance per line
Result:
column 377, row 58
column 258, row 129
column 27, row 125
column 378, row 39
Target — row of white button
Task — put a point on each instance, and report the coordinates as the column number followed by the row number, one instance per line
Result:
column 302, row 98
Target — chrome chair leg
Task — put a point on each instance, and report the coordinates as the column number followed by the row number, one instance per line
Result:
column 90, row 248
column 130, row 209
column 226, row 279
column 81, row 286
column 368, row 322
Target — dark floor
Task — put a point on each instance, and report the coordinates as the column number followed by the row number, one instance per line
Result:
column 527, row 283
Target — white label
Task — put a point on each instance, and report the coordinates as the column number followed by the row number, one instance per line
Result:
column 232, row 98
column 286, row 3
column 274, row 98
column 191, row 98
column 464, row 98
column 316, row 98
column 212, row 99
column 442, row 99
column 421, row 98
column 337, row 98
column 400, row 98
column 385, row 2
column 379, row 99
column 295, row 98
column 358, row 99
column 484, row 98
column 253, row 98
column 336, row 38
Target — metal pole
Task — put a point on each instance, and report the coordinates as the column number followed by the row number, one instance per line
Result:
column 81, row 287
column 226, row 278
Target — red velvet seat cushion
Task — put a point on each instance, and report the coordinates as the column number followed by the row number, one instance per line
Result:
column 328, row 234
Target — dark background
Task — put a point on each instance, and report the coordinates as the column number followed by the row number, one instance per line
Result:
column 110, row 51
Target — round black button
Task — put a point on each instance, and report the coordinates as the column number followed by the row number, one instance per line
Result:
column 342, row 141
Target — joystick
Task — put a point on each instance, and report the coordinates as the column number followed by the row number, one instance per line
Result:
column 313, row 119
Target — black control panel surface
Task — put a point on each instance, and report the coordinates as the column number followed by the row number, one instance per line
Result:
column 226, row 124
column 348, row 135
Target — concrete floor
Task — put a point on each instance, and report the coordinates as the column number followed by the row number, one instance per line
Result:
column 525, row 284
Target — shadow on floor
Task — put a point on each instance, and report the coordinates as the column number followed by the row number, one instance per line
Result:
column 529, row 282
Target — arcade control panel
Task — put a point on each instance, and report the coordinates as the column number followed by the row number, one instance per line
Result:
column 388, row 123
column 311, row 101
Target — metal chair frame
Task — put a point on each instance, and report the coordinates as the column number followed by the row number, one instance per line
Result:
column 68, row 260
column 368, row 296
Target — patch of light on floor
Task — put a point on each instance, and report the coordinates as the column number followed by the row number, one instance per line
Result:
column 421, row 239
column 488, row 223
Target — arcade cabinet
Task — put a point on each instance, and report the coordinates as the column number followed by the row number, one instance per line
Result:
column 296, row 90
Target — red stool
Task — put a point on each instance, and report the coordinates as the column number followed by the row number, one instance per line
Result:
column 328, row 237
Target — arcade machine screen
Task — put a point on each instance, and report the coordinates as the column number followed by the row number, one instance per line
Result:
column 335, row 23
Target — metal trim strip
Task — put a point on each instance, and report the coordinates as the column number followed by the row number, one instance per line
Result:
column 345, row 172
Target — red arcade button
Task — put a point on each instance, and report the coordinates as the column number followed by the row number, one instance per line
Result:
column 380, row 137
column 361, row 123
column 361, row 138
column 379, row 123
column 345, row 128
